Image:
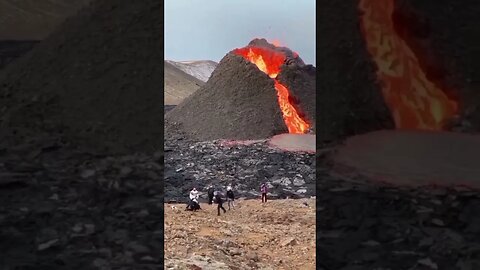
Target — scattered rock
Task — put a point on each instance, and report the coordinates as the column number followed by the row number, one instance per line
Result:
column 87, row 173
column 138, row 248
column 77, row 228
column 100, row 263
column 288, row 242
column 298, row 181
column 89, row 228
column 438, row 222
column 235, row 252
column 125, row 171
column 47, row 245
column 253, row 256
column 428, row 262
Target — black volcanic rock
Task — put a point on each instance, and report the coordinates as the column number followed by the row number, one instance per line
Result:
column 292, row 58
column 245, row 167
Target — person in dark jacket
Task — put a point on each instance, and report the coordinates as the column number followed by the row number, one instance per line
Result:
column 264, row 190
column 230, row 197
column 210, row 192
column 219, row 202
column 193, row 205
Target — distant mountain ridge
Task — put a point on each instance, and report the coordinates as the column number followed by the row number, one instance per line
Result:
column 200, row 69
column 178, row 84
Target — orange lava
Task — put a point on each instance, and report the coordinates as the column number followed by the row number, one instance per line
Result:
column 269, row 61
column 415, row 102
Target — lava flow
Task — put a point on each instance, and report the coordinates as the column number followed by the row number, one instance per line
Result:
column 269, row 61
column 415, row 101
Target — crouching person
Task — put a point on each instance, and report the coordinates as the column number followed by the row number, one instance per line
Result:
column 193, row 204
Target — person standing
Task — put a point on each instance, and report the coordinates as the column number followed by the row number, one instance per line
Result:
column 219, row 202
column 264, row 190
column 210, row 192
column 230, row 197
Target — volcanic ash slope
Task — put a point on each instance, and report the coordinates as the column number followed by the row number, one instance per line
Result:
column 238, row 102
column 96, row 81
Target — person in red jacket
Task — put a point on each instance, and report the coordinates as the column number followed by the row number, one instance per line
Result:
column 264, row 190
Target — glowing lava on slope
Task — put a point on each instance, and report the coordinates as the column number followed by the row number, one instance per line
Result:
column 415, row 102
column 269, row 61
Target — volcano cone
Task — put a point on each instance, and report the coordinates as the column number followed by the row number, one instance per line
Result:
column 96, row 81
column 237, row 102
column 241, row 99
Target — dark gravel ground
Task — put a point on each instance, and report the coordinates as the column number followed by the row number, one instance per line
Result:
column 64, row 209
column 366, row 225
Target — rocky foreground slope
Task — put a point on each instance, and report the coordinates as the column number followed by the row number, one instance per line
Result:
column 277, row 235
column 73, row 210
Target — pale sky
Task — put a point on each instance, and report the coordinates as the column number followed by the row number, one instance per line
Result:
column 209, row 29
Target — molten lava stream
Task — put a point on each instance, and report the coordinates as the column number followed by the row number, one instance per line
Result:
column 270, row 61
column 414, row 101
